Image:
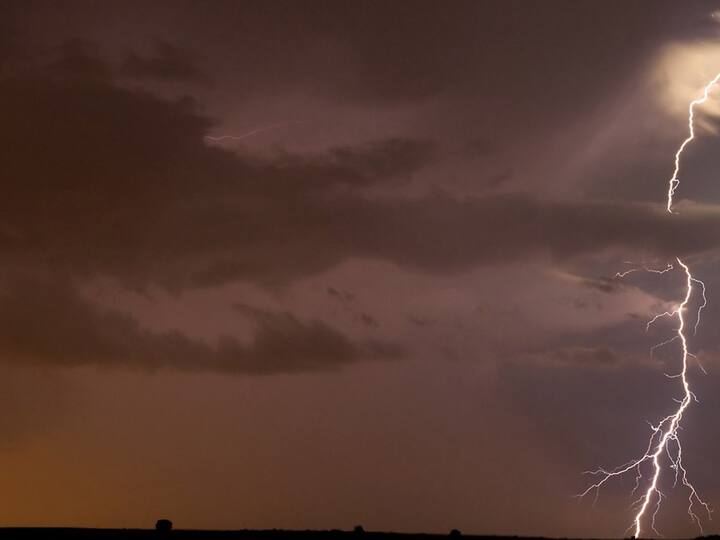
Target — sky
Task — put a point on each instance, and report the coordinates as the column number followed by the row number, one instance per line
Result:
column 316, row 264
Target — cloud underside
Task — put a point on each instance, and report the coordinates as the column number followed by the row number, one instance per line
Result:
column 101, row 181
column 48, row 323
column 104, row 181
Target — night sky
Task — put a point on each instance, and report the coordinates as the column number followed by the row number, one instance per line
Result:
column 313, row 264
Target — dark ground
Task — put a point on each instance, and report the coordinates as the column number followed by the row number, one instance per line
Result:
column 60, row 533
column 179, row 534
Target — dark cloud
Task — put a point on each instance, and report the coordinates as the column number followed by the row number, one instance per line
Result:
column 168, row 63
column 440, row 232
column 76, row 60
column 43, row 322
column 369, row 320
column 421, row 321
column 580, row 356
column 342, row 296
column 104, row 181
column 428, row 49
column 605, row 285
column 486, row 51
column 389, row 158
column 346, row 299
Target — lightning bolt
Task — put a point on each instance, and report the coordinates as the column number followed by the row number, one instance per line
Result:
column 665, row 270
column 256, row 131
column 675, row 179
column 664, row 444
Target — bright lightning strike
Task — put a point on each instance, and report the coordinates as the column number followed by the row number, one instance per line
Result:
column 664, row 439
column 675, row 180
column 664, row 444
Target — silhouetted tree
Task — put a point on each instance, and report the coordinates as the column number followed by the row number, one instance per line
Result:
column 163, row 525
column 358, row 529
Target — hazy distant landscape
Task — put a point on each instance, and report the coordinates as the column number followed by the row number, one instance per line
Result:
column 64, row 533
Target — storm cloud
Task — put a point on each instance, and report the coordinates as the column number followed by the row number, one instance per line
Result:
column 122, row 184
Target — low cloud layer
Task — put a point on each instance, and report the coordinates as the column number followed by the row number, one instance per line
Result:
column 103, row 181
column 107, row 182
column 45, row 322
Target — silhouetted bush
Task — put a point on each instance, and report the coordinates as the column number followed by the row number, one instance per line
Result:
column 163, row 525
column 358, row 529
column 455, row 533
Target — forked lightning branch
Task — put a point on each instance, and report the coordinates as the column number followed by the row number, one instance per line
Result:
column 664, row 453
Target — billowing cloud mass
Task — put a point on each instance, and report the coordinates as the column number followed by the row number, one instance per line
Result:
column 122, row 184
column 167, row 62
column 49, row 322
